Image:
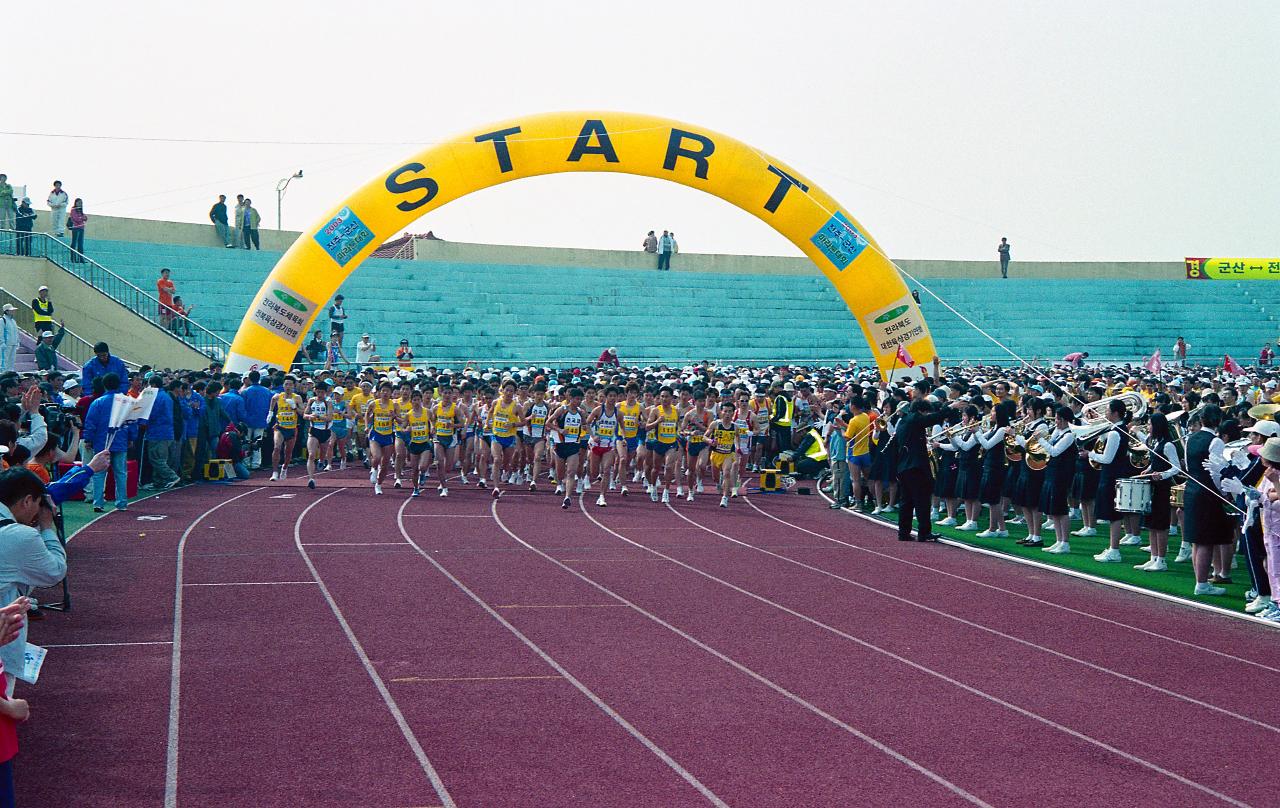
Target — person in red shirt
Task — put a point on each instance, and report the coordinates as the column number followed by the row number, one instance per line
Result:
column 164, row 290
column 12, row 711
column 608, row 356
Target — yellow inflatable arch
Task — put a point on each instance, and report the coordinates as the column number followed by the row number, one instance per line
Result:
column 300, row 285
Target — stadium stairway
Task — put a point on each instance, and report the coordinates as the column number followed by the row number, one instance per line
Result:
column 454, row 312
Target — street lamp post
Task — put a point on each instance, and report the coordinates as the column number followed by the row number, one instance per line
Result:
column 281, row 187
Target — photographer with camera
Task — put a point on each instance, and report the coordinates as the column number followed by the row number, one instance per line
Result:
column 37, row 430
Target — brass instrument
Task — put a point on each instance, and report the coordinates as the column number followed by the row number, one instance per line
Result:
column 1099, row 447
column 1037, row 454
column 1139, row 454
column 1176, row 495
column 1264, row 412
column 1012, row 451
column 1093, row 416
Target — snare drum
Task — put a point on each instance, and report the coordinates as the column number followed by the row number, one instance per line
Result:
column 1133, row 495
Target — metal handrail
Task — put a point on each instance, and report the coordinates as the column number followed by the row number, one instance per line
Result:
column 74, row 348
column 143, row 304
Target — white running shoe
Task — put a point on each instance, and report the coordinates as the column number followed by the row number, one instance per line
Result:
column 1059, row 548
column 635, row 478
column 699, row 486
column 613, row 485
column 736, row 490
column 1085, row 531
column 1017, row 520
column 1145, row 565
column 969, row 525
column 565, row 504
column 275, row 476
column 950, row 521
column 373, row 475
column 1073, row 513
column 497, row 492
column 1002, row 534
column 1047, row 524
column 988, row 534
column 1209, row 589
column 462, row 478
column 666, row 499
column 584, row 485
column 284, row 472
column 1157, row 565
column 417, row 492
column 724, row 502
column 1184, row 553
column 559, row 489
column 1130, row 540
column 1173, row 530
column 444, row 492
column 679, row 491
column 1108, row 556
column 399, row 483
column 877, row 510
column 690, row 497
column 623, row 492
column 600, row 501
column 1259, row 604
column 377, row 489
column 653, row 494
column 482, row 483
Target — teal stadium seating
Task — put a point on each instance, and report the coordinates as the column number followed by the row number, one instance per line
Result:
column 504, row 314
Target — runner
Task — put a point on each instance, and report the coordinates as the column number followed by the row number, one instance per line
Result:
column 724, row 434
column 284, row 412
column 466, row 411
column 318, row 415
column 761, row 412
column 746, row 436
column 448, row 423
column 360, row 401
column 418, row 420
column 505, row 419
column 380, row 421
column 631, row 445
column 603, row 426
column 340, row 426
column 696, row 421
column 403, row 404
column 535, row 424
column 664, row 426
column 568, row 421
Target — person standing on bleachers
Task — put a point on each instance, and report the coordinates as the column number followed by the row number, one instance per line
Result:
column 58, row 201
column 218, row 215
column 42, row 310
column 10, row 336
column 7, row 208
column 666, row 246
column 238, row 234
column 164, row 291
column 1003, row 251
column 249, row 223
column 338, row 318
column 651, row 243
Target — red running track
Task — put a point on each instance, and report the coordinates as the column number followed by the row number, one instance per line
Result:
column 267, row 645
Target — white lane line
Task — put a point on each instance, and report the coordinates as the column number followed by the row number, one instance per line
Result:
column 257, row 583
column 108, row 644
column 351, row 543
column 660, row 753
column 931, row 672
column 448, row 515
column 175, row 662
column 1021, row 595
column 738, row 666
column 405, row 730
column 980, row 627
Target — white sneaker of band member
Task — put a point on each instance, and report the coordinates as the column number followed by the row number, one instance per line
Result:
column 1110, row 555
column 1060, row 548
column 1209, row 589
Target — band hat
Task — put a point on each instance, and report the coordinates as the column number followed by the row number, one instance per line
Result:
column 1269, row 428
column 70, row 384
column 1271, row 450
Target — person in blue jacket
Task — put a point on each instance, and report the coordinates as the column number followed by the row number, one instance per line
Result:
column 232, row 401
column 96, row 435
column 257, row 404
column 102, row 364
column 160, row 438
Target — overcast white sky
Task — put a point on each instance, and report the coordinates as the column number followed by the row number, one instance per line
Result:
column 1082, row 131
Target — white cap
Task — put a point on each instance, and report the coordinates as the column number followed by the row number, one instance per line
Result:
column 10, row 307
column 1269, row 428
column 43, row 289
column 70, row 384
column 338, row 391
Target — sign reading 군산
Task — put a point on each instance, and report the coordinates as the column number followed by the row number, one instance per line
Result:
column 1233, row 269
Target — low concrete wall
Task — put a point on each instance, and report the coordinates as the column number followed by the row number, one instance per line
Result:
column 203, row 235
column 154, row 231
column 95, row 316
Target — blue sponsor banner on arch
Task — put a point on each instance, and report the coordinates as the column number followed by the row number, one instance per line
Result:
column 840, row 241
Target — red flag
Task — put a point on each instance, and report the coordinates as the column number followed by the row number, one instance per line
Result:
column 1154, row 364
column 904, row 357
column 1232, row 366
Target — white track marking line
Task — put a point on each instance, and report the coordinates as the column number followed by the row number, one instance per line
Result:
column 257, row 583
column 421, row 679
column 1021, row 595
column 351, row 543
column 394, row 708
column 448, row 515
column 109, row 644
column 175, row 661
column 738, row 666
column 931, row 672
column 979, row 626
column 661, row 754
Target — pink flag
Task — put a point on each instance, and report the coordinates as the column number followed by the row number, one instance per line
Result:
column 1232, row 366
column 1154, row 364
column 904, row 357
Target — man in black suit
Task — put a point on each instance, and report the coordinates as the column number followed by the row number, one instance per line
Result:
column 915, row 475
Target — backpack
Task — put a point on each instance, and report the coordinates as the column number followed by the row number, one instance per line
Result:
column 227, row 444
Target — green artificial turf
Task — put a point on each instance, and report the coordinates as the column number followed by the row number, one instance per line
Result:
column 1179, row 580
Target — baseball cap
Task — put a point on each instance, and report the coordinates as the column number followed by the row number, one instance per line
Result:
column 43, row 289
column 1269, row 428
column 70, row 384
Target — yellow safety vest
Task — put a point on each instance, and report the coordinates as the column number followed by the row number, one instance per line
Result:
column 818, row 451
column 785, row 420
column 42, row 312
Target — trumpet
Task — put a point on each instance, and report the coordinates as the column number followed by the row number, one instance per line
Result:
column 1094, row 414
column 953, row 431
